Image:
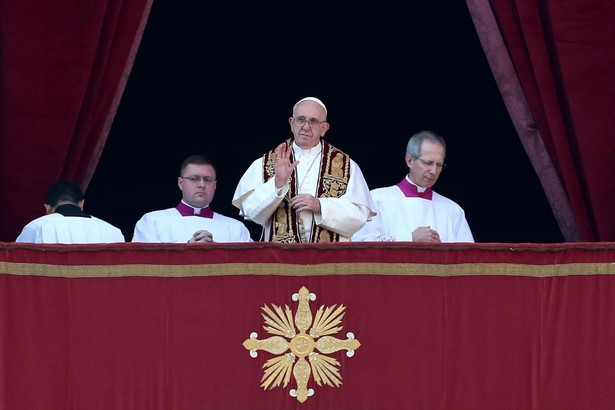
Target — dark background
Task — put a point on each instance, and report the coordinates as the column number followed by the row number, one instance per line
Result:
column 221, row 79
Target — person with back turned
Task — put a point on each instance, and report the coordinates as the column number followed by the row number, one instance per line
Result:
column 66, row 222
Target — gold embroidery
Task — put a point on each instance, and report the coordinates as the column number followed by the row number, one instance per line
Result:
column 334, row 188
column 336, row 175
column 270, row 165
column 306, row 350
column 281, row 232
column 332, row 183
column 336, row 166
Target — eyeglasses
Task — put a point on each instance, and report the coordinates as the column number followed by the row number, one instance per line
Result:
column 195, row 179
column 430, row 164
column 312, row 121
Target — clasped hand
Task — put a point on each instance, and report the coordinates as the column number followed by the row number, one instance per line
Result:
column 201, row 236
column 425, row 234
column 305, row 202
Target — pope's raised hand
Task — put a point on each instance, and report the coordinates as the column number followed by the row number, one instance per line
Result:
column 283, row 167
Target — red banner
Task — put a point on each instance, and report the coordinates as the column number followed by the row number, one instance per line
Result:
column 456, row 326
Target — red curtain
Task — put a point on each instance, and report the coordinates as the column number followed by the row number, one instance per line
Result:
column 64, row 66
column 554, row 61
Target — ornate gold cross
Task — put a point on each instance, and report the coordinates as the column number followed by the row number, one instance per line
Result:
column 309, row 348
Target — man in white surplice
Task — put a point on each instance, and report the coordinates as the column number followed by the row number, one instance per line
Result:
column 192, row 220
column 65, row 222
column 305, row 190
column 411, row 210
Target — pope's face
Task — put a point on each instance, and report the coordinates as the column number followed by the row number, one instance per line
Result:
column 198, row 185
column 425, row 170
column 306, row 135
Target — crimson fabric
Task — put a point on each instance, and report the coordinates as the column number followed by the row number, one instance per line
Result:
column 64, row 65
column 563, row 53
column 450, row 326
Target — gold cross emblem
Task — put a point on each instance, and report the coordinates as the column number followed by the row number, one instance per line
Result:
column 307, row 351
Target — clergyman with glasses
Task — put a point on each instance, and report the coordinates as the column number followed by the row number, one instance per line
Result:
column 305, row 190
column 411, row 210
column 192, row 220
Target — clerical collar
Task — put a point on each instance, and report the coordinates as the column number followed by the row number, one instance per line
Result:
column 70, row 210
column 309, row 152
column 411, row 190
column 186, row 210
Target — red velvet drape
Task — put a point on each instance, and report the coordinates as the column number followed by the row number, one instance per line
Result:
column 562, row 54
column 63, row 68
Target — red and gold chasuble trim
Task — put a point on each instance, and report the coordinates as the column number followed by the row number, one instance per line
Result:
column 334, row 173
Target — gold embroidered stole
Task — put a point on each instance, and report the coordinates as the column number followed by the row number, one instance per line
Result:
column 333, row 179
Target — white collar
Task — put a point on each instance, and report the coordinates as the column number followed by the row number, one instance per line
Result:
column 310, row 152
column 194, row 207
column 419, row 188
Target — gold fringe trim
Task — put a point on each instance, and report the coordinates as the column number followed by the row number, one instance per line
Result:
column 324, row 269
